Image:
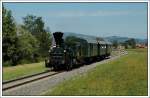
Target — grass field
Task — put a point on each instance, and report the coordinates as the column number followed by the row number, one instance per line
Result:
column 22, row 70
column 126, row 76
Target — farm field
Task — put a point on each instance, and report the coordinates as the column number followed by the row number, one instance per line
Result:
column 126, row 76
column 22, row 70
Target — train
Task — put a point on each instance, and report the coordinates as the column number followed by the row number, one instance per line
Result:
column 73, row 51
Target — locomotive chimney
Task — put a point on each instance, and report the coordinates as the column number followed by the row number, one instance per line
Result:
column 58, row 38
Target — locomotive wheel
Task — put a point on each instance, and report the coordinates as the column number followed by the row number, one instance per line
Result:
column 55, row 68
column 69, row 65
column 46, row 63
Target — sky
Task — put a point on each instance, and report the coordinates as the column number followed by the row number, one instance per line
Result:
column 97, row 19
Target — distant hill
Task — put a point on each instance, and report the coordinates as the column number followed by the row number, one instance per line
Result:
column 118, row 38
column 78, row 35
column 123, row 39
column 110, row 38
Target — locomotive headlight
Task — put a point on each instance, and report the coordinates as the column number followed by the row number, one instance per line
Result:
column 64, row 50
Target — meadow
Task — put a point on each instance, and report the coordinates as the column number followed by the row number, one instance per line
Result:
column 126, row 76
column 18, row 71
column 21, row 70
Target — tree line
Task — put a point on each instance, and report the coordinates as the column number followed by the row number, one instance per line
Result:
column 24, row 43
column 131, row 43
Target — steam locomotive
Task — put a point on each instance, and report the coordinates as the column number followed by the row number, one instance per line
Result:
column 73, row 51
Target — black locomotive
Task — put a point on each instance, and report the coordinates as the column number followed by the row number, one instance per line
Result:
column 74, row 51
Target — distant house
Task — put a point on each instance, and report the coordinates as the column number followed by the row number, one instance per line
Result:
column 140, row 46
column 120, row 47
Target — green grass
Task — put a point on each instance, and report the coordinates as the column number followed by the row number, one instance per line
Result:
column 22, row 70
column 126, row 76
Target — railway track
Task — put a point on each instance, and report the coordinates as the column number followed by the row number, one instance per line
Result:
column 27, row 79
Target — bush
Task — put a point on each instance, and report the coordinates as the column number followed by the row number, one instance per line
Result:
column 7, row 63
column 24, row 61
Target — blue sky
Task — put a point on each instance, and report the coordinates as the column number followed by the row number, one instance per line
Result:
column 97, row 19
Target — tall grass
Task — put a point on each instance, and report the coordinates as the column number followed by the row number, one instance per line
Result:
column 127, row 76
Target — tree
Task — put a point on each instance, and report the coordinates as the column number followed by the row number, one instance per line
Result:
column 131, row 42
column 29, row 24
column 115, row 43
column 25, row 42
column 27, row 45
column 45, row 42
column 35, row 25
column 9, row 37
column 125, row 44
